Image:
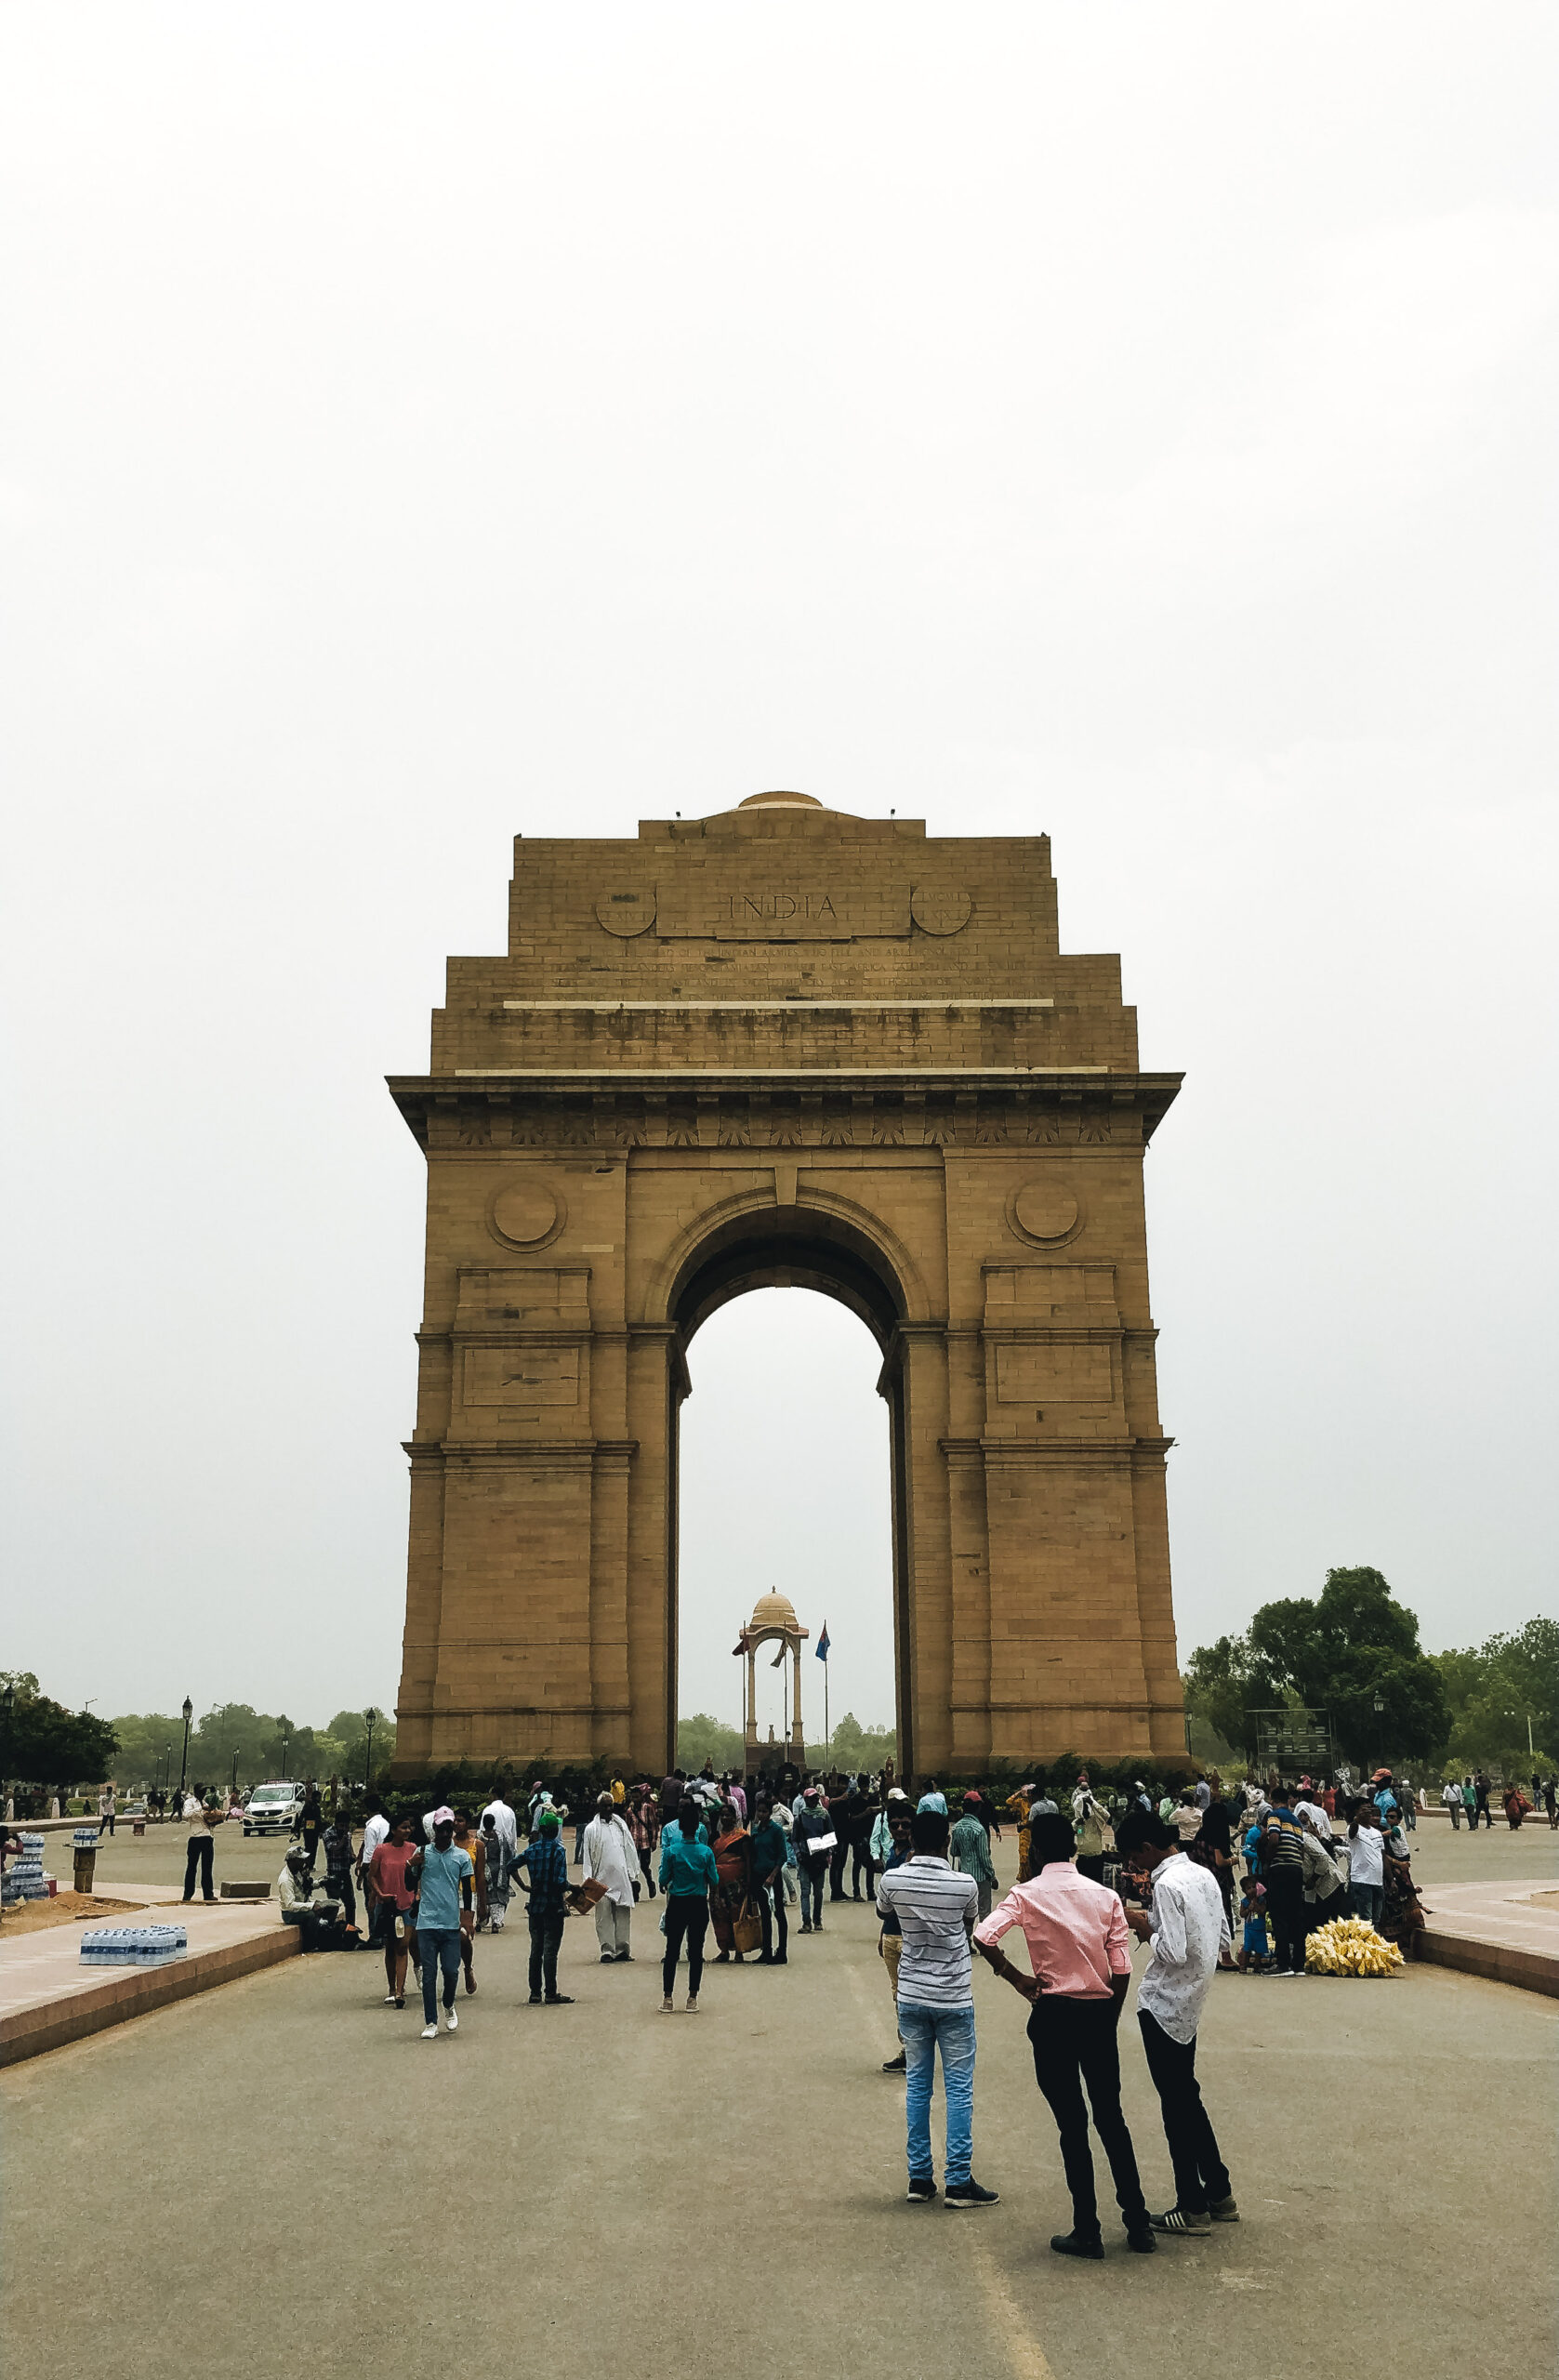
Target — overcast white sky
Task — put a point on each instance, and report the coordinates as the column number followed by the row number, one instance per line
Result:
column 421, row 426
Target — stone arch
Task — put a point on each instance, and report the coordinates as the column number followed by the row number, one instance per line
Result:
column 819, row 1240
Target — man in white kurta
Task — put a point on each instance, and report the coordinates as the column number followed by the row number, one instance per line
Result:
column 612, row 1860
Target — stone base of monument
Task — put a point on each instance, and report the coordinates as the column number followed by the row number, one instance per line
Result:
column 231, row 1891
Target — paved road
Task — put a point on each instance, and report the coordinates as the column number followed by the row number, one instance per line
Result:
column 282, row 2177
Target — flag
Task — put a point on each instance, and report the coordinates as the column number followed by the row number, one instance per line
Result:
column 823, row 1643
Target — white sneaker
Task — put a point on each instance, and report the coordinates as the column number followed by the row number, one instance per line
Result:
column 451, row 2020
column 429, row 2033
column 389, row 1999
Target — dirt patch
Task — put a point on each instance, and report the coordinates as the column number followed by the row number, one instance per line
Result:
column 65, row 1909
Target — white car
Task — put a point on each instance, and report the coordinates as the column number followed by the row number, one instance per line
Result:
column 273, row 1809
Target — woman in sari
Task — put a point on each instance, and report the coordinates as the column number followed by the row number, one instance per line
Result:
column 733, row 1850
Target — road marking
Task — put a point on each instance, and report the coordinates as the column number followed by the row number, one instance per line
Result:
column 1024, row 2353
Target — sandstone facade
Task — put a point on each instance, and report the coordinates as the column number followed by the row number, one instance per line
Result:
column 784, row 1044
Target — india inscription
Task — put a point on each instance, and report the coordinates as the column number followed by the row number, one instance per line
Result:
column 904, row 1095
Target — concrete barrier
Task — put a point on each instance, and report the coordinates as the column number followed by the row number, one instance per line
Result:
column 135, row 1991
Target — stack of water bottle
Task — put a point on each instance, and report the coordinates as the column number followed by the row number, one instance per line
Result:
column 133, row 1946
column 25, row 1879
column 84, row 1838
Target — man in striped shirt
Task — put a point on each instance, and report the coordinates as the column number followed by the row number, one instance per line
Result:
column 935, row 1906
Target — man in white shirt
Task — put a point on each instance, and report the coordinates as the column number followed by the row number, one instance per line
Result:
column 1450, row 1795
column 1189, row 1932
column 611, row 1859
column 376, row 1829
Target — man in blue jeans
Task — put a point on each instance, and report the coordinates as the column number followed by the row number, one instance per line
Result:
column 441, row 1876
column 935, row 1906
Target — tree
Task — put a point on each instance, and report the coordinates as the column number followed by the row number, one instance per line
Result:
column 1494, row 1689
column 1224, row 1688
column 857, row 1747
column 701, row 1737
column 45, row 1744
column 1352, row 1645
column 350, row 1730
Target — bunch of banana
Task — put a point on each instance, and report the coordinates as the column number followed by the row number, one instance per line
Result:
column 1349, row 1946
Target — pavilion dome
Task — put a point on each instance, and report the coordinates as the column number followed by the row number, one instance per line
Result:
column 772, row 1611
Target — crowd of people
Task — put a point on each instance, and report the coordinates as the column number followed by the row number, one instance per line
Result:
column 1212, row 1879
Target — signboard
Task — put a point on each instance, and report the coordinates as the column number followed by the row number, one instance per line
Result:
column 1291, row 1741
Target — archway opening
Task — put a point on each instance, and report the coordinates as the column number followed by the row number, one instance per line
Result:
column 785, row 1483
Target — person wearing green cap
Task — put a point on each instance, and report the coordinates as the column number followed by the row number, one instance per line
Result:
column 547, row 1863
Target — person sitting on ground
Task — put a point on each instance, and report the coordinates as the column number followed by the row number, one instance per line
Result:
column 305, row 1905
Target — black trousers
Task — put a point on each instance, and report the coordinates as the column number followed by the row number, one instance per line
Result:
column 1201, row 2176
column 837, row 1858
column 547, row 1940
column 1075, row 2042
column 339, row 1888
column 771, row 1910
column 812, row 1874
column 687, row 1919
column 1285, row 1911
column 861, row 1858
column 202, row 1852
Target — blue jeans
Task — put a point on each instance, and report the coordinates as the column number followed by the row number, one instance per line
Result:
column 440, row 1947
column 922, row 2031
column 1369, row 1901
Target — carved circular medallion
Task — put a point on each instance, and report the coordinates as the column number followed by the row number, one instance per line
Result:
column 1045, row 1212
column 523, row 1213
column 626, row 914
column 938, row 911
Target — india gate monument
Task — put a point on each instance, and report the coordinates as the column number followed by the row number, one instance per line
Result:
column 786, row 1045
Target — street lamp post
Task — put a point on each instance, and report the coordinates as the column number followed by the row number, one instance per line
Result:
column 7, row 1704
column 368, row 1767
column 184, row 1755
column 1380, row 1705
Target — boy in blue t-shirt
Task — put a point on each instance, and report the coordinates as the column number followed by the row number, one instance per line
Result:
column 441, row 1876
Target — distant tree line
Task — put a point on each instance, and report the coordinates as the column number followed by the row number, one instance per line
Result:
column 854, row 1746
column 44, row 1745
column 1355, row 1645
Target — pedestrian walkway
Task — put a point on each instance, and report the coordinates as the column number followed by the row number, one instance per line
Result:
column 47, row 1997
column 1506, row 1930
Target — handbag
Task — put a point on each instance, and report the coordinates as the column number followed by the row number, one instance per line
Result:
column 746, row 1928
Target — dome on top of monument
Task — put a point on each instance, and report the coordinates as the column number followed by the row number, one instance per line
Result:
column 772, row 1611
column 782, row 802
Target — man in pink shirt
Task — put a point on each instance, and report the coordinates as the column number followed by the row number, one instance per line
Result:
column 1081, row 1952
